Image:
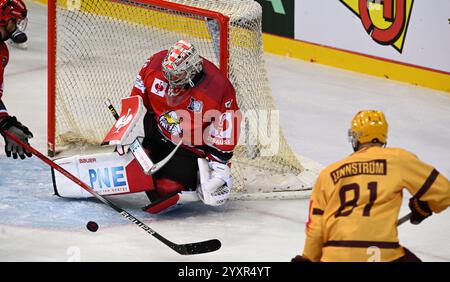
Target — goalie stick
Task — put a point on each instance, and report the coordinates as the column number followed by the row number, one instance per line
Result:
column 183, row 249
column 144, row 160
column 138, row 152
column 112, row 109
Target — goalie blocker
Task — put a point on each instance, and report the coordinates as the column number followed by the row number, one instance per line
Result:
column 116, row 174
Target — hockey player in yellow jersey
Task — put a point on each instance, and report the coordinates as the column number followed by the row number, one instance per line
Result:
column 355, row 202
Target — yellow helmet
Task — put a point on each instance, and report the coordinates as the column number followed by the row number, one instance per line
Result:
column 368, row 126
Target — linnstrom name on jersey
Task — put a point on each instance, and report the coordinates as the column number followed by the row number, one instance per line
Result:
column 373, row 167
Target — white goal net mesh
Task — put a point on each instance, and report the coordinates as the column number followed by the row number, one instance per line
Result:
column 102, row 44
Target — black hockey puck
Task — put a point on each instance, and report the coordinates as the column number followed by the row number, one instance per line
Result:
column 92, row 226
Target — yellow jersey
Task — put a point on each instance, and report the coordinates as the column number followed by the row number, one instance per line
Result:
column 355, row 204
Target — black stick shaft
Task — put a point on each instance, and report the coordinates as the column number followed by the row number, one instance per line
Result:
column 112, row 109
column 404, row 219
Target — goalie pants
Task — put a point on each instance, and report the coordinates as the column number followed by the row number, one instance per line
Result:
column 182, row 168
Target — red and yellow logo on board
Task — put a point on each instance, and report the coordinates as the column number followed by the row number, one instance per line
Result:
column 386, row 21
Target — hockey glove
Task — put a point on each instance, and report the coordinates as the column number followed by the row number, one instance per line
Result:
column 18, row 36
column 420, row 210
column 13, row 126
column 299, row 258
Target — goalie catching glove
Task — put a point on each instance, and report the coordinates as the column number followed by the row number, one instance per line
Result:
column 216, row 182
column 13, row 126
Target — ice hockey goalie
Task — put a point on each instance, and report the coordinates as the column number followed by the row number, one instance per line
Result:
column 182, row 98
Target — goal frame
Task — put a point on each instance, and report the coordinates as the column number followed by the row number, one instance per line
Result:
column 52, row 52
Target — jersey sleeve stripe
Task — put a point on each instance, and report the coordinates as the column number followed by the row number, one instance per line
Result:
column 317, row 211
column 428, row 183
column 139, row 84
column 362, row 244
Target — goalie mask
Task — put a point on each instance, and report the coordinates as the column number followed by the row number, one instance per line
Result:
column 13, row 10
column 369, row 126
column 180, row 65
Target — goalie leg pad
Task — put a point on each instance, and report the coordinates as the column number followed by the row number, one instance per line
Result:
column 165, row 186
column 171, row 202
column 165, row 197
column 212, row 190
column 163, row 204
column 107, row 174
column 168, row 195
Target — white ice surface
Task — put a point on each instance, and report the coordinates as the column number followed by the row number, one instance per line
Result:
column 316, row 104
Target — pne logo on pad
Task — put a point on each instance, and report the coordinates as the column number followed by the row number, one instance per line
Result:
column 111, row 178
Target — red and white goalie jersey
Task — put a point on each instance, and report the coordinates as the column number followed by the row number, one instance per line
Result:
column 207, row 116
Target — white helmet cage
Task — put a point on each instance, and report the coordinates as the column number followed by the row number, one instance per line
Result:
column 181, row 64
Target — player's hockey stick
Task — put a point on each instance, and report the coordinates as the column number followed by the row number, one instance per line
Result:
column 183, row 249
column 404, row 219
